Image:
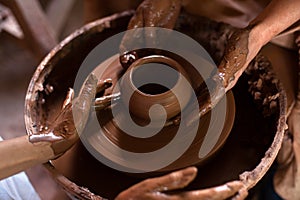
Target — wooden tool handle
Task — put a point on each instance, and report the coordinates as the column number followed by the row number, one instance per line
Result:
column 19, row 154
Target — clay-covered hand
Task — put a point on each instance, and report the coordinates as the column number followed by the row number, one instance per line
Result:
column 70, row 122
column 19, row 154
column 244, row 44
column 164, row 188
column 156, row 13
column 150, row 13
column 241, row 48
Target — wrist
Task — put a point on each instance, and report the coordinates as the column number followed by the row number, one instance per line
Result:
column 259, row 33
column 58, row 145
column 19, row 154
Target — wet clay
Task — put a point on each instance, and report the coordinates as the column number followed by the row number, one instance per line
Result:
column 159, row 140
column 242, row 151
column 248, row 152
column 205, row 98
column 234, row 57
column 151, row 13
column 230, row 68
column 70, row 122
column 262, row 85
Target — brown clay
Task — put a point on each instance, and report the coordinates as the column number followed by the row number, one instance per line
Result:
column 144, row 97
column 141, row 104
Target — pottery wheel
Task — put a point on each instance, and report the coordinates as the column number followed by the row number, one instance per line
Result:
column 110, row 137
column 247, row 153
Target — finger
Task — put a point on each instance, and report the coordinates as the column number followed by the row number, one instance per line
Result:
column 209, row 94
column 152, row 23
column 84, row 102
column 172, row 181
column 243, row 193
column 215, row 193
column 103, row 85
column 131, row 37
column 131, row 40
column 151, row 37
column 161, row 14
column 137, row 20
column 69, row 98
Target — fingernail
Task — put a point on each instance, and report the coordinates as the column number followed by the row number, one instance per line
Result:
column 190, row 171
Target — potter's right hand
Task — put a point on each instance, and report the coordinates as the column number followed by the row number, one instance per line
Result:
column 158, row 188
column 150, row 13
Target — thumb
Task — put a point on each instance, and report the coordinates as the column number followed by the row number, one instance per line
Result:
column 172, row 181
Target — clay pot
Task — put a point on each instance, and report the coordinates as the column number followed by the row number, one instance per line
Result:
column 153, row 68
column 138, row 101
column 248, row 153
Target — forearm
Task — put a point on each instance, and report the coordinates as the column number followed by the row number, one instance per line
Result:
column 19, row 154
column 275, row 18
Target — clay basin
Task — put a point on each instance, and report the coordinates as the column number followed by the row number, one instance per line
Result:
column 248, row 153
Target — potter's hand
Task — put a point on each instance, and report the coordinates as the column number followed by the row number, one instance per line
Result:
column 19, row 154
column 70, row 122
column 158, row 188
column 244, row 44
column 150, row 13
column 240, row 50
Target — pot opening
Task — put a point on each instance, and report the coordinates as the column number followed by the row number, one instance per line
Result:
column 154, row 78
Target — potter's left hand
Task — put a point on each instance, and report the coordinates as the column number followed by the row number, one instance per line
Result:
column 70, row 122
column 160, row 188
column 19, row 153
